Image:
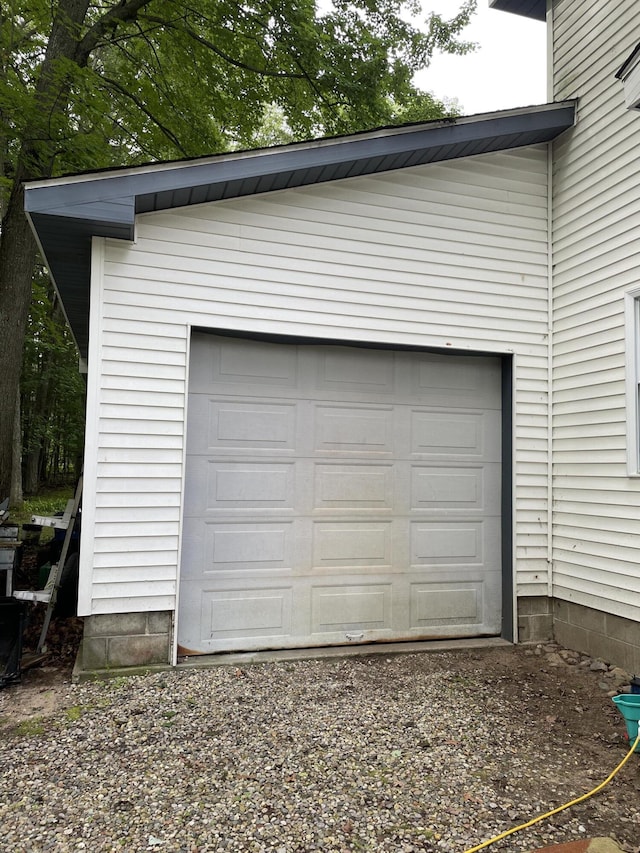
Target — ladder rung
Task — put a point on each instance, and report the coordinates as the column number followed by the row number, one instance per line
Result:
column 58, row 521
column 41, row 596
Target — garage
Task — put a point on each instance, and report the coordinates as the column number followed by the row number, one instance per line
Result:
column 320, row 464
column 337, row 495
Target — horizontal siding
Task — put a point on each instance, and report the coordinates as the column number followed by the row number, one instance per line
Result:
column 383, row 286
column 133, row 604
column 596, row 251
column 140, row 437
column 452, row 255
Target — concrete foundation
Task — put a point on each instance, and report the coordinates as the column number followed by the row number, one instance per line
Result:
column 597, row 634
column 600, row 635
column 242, row 659
column 133, row 640
column 119, row 640
column 535, row 619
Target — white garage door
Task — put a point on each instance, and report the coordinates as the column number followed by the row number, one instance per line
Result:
column 337, row 494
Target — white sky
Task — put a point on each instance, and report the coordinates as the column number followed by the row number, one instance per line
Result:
column 507, row 70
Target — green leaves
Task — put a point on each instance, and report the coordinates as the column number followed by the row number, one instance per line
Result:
column 52, row 392
column 159, row 79
column 87, row 85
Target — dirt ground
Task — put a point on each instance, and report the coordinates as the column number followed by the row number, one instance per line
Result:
column 566, row 702
column 41, row 687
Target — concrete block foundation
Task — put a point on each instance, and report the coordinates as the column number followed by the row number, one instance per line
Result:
column 112, row 641
column 129, row 640
column 597, row 634
column 535, row 619
column 583, row 629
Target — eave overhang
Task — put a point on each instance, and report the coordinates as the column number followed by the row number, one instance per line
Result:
column 536, row 9
column 65, row 213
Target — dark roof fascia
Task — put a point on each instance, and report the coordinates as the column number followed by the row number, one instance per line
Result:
column 108, row 196
column 536, row 9
column 66, row 212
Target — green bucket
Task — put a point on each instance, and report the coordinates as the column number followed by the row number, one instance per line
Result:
column 629, row 706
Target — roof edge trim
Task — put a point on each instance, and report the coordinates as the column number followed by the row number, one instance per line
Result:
column 322, row 142
column 534, row 9
column 66, row 213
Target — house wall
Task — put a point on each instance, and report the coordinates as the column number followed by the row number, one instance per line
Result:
column 596, row 252
column 451, row 255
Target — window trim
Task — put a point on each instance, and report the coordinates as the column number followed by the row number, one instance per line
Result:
column 632, row 379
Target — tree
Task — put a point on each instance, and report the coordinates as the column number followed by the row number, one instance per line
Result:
column 52, row 392
column 85, row 85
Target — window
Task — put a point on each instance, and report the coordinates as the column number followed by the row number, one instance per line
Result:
column 632, row 334
column 629, row 74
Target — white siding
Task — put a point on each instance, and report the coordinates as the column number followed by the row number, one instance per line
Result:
column 596, row 257
column 451, row 255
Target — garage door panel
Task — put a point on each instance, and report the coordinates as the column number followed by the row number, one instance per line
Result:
column 456, row 544
column 222, row 486
column 440, row 605
column 211, row 548
column 341, row 545
column 459, row 381
column 350, row 487
column 438, row 543
column 252, row 365
column 240, row 613
column 353, row 430
column 249, row 547
column 355, row 371
column 470, row 602
column 351, row 608
column 219, row 426
column 438, row 373
column 457, row 435
column 441, row 488
column 337, row 495
column 250, row 485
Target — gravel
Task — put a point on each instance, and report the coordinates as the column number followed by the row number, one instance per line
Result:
column 400, row 753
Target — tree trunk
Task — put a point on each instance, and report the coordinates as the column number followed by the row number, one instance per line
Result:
column 17, row 261
column 32, row 469
column 35, row 463
column 17, row 244
column 15, row 493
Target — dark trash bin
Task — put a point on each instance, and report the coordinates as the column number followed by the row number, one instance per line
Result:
column 12, row 620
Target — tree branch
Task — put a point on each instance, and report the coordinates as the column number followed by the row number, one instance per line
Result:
column 147, row 69
column 135, row 141
column 127, row 10
column 143, row 108
column 264, row 72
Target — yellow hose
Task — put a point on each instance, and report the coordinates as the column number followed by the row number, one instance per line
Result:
column 560, row 808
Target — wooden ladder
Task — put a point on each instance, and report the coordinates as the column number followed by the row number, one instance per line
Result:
column 49, row 594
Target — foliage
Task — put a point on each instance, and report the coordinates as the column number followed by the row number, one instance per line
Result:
column 52, row 393
column 183, row 79
column 88, row 84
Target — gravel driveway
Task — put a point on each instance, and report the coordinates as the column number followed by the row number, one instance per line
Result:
column 395, row 753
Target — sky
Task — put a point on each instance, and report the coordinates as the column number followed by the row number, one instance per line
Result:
column 507, row 70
